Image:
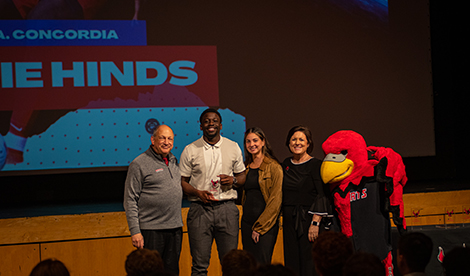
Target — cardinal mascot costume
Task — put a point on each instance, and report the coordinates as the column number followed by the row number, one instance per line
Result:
column 366, row 184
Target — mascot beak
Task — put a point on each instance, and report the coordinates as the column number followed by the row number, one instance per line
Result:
column 336, row 167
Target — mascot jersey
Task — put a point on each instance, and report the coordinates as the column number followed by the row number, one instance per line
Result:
column 366, row 184
column 369, row 220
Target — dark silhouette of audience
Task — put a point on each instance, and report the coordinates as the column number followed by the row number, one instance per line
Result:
column 413, row 253
column 363, row 264
column 144, row 262
column 50, row 267
column 330, row 252
column 238, row 263
column 456, row 262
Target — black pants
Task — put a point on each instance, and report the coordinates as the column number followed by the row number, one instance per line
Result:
column 168, row 243
column 297, row 247
column 263, row 250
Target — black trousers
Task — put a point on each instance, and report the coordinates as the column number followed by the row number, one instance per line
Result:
column 168, row 243
column 297, row 247
column 263, row 250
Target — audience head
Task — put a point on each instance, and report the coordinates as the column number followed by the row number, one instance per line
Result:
column 363, row 264
column 455, row 262
column 144, row 262
column 308, row 135
column 413, row 252
column 238, row 263
column 50, row 267
column 330, row 251
column 273, row 270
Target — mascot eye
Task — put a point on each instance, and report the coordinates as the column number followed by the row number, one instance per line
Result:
column 332, row 157
column 344, row 152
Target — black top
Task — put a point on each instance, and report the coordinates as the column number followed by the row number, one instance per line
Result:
column 369, row 219
column 302, row 185
column 254, row 202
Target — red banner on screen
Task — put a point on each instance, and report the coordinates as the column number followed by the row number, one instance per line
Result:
column 69, row 77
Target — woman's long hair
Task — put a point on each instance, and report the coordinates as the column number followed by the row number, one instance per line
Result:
column 267, row 150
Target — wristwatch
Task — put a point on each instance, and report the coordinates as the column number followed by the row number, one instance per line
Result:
column 315, row 223
column 235, row 180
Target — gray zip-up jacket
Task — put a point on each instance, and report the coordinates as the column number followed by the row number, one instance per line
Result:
column 153, row 193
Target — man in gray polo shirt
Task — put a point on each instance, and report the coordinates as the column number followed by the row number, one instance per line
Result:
column 153, row 197
column 210, row 168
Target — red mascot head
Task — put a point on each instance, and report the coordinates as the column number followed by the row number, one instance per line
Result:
column 346, row 158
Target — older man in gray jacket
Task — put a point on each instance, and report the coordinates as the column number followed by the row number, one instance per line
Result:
column 152, row 199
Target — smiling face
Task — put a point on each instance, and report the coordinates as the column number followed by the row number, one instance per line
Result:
column 162, row 140
column 298, row 143
column 254, row 144
column 211, row 126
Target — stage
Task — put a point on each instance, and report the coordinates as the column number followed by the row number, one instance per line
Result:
column 82, row 235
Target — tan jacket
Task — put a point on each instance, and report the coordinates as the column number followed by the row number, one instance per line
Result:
column 270, row 182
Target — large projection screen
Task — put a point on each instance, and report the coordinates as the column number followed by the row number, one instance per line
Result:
column 327, row 64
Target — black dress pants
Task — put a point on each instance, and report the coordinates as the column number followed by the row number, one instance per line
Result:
column 168, row 243
column 263, row 250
